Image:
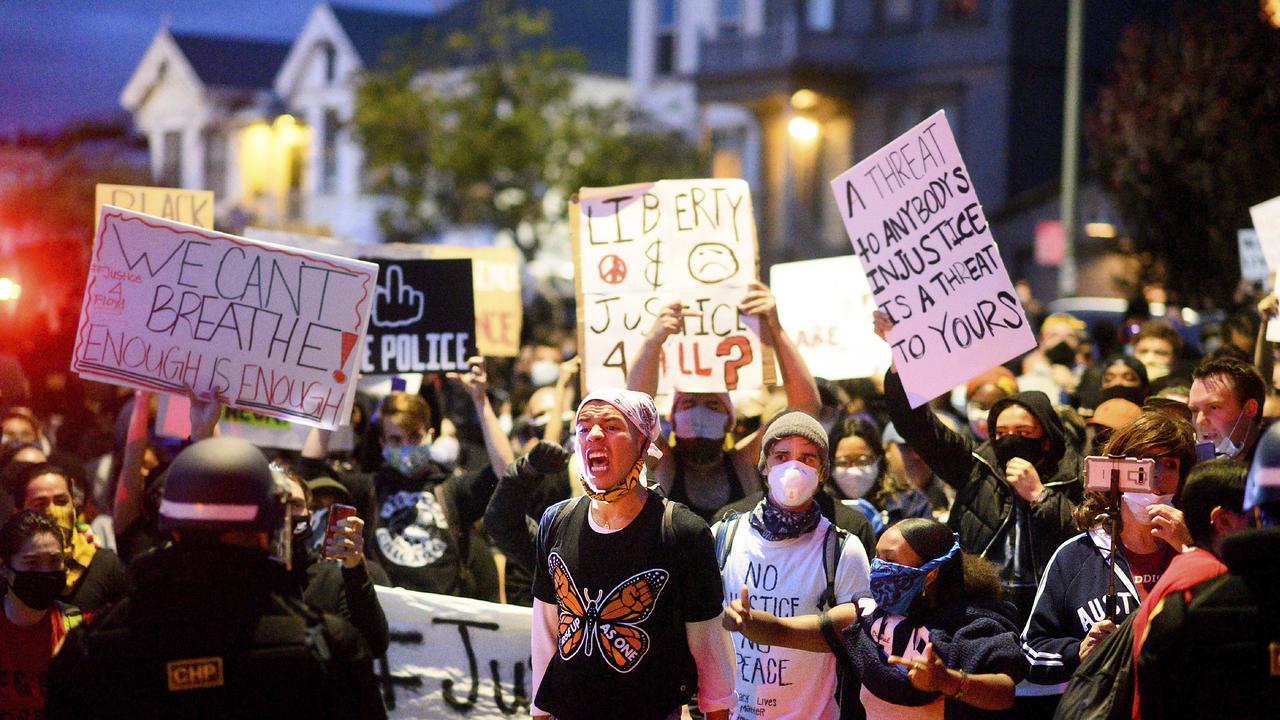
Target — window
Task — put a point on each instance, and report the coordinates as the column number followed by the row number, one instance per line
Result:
column 820, row 15
column 959, row 12
column 895, row 13
column 665, row 46
column 215, row 161
column 330, row 62
column 171, row 160
column 329, row 151
column 730, row 17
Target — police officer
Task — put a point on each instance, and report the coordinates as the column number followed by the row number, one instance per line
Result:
column 212, row 630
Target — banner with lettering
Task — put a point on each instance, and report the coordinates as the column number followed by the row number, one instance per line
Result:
column 640, row 247
column 825, row 306
column 173, row 420
column 171, row 307
column 926, row 250
column 453, row 657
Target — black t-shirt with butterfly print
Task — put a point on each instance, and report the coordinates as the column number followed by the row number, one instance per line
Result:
column 623, row 599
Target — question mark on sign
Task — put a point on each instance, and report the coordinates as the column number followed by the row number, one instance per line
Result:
column 725, row 347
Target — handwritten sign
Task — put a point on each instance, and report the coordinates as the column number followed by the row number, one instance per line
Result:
column 171, row 307
column 825, row 306
column 1266, row 221
column 926, row 250
column 423, row 319
column 638, row 248
column 495, row 276
column 193, row 207
column 453, row 657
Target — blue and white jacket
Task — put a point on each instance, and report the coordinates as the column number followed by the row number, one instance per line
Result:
column 1072, row 597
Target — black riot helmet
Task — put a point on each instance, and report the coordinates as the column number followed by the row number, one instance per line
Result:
column 221, row 484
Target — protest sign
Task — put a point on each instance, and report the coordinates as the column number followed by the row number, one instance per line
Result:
column 424, row 318
column 495, row 274
column 1266, row 222
column 453, row 657
column 926, row 249
column 173, row 420
column 192, row 207
column 171, row 307
column 638, row 248
column 825, row 306
column 1253, row 262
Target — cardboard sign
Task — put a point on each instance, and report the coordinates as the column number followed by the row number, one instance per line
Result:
column 1266, row 221
column 192, row 207
column 173, row 419
column 926, row 249
column 171, row 307
column 1253, row 262
column 424, row 318
column 825, row 306
column 638, row 248
column 453, row 657
column 495, row 274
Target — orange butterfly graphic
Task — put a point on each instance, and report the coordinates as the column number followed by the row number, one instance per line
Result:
column 607, row 622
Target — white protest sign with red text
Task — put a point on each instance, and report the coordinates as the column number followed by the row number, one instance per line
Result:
column 918, row 230
column 171, row 307
column 641, row 247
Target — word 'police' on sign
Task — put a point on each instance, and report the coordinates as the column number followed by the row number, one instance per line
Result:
column 424, row 317
column 919, row 231
column 171, row 307
column 640, row 247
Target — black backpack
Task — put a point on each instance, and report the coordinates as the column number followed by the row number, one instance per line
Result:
column 1101, row 688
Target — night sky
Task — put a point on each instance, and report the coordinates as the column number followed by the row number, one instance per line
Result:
column 62, row 60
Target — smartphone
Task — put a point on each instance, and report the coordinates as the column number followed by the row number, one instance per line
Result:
column 1136, row 476
column 337, row 512
column 1205, row 450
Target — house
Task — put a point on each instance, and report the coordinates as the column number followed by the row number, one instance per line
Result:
column 790, row 93
column 262, row 123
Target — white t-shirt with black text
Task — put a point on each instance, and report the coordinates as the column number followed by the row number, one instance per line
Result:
column 786, row 578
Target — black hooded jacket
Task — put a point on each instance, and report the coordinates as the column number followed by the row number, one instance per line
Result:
column 986, row 508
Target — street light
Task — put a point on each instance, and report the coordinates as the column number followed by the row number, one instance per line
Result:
column 803, row 129
column 9, row 290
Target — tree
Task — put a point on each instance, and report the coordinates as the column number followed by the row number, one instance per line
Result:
column 483, row 128
column 1186, row 136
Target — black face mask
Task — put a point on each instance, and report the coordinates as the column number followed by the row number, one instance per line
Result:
column 1061, row 354
column 1009, row 447
column 301, row 527
column 38, row 589
column 1134, row 395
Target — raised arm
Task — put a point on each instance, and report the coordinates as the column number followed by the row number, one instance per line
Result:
column 496, row 443
column 127, row 505
column 797, row 381
column 643, row 375
column 555, row 422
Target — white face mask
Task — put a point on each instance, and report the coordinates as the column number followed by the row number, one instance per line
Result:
column 544, row 372
column 855, row 482
column 792, row 483
column 1139, row 502
column 699, row 422
column 1225, row 447
column 445, row 451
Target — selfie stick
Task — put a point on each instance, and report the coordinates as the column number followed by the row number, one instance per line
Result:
column 1113, row 511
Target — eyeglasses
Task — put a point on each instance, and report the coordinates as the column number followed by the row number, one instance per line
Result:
column 855, row 461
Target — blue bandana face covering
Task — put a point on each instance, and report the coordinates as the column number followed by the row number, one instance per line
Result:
column 894, row 586
column 406, row 459
column 777, row 523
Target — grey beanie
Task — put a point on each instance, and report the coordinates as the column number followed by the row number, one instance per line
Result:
column 798, row 423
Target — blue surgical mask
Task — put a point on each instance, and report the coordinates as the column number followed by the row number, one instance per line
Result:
column 407, row 459
column 699, row 422
column 894, row 586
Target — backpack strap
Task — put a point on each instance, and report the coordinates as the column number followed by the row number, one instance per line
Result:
column 668, row 525
column 724, row 537
column 832, row 548
column 566, row 509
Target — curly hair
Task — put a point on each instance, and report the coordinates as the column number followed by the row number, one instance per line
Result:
column 1151, row 434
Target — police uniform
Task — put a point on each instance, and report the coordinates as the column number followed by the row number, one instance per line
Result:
column 212, row 630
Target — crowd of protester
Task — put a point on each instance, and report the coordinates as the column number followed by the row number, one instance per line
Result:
column 943, row 561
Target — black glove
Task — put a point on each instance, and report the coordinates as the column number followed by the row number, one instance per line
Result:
column 544, row 459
